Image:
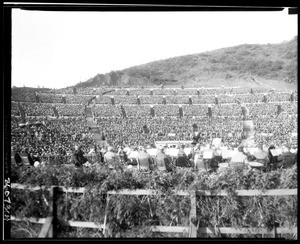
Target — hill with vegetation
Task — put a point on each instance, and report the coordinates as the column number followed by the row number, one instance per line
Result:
column 238, row 65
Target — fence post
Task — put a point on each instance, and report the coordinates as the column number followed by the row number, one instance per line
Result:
column 275, row 228
column 105, row 217
column 193, row 214
column 53, row 211
column 275, row 232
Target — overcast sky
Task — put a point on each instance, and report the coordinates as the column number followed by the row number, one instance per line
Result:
column 59, row 49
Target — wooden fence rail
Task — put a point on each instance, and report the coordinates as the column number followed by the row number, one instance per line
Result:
column 49, row 223
column 272, row 192
column 47, row 228
column 173, row 229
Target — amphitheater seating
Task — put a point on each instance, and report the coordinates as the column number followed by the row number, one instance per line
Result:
column 225, row 121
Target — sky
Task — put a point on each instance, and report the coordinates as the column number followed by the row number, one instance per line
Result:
column 60, row 49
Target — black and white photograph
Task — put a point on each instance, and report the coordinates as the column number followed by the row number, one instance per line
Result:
column 124, row 122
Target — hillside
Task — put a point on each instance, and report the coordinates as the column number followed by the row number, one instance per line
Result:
column 239, row 65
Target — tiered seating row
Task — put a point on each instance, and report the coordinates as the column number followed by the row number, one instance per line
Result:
column 256, row 109
column 159, row 99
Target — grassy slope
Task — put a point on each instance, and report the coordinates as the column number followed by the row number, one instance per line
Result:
column 273, row 65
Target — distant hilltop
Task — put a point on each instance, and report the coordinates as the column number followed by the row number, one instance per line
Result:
column 242, row 65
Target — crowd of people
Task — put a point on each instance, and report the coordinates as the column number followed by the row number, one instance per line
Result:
column 53, row 137
column 22, row 95
column 15, row 111
column 38, row 109
column 195, row 110
column 70, row 109
column 130, row 130
column 222, row 98
column 165, row 111
column 138, row 130
column 78, row 99
column 103, row 100
column 50, row 98
column 137, row 111
column 47, row 109
column 133, row 110
column 107, row 111
column 152, row 96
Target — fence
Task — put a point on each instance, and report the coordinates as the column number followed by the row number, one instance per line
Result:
column 50, row 223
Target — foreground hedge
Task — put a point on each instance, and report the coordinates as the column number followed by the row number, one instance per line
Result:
column 181, row 179
column 127, row 214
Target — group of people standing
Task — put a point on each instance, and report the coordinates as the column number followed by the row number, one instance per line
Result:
column 140, row 159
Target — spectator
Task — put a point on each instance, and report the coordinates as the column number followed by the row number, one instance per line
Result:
column 272, row 159
column 111, row 159
column 144, row 159
column 29, row 156
column 287, row 159
column 161, row 159
column 200, row 163
column 79, row 156
column 15, row 154
column 182, row 159
column 239, row 158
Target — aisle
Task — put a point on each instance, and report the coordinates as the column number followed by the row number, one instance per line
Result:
column 92, row 124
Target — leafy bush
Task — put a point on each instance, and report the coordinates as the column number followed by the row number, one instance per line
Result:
column 126, row 214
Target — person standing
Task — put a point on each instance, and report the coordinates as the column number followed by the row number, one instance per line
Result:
column 182, row 159
column 111, row 159
column 79, row 156
column 161, row 159
column 191, row 155
column 121, row 154
column 239, row 158
column 287, row 159
column 126, row 152
column 15, row 154
column 273, row 160
column 29, row 157
column 144, row 159
column 200, row 163
column 102, row 151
